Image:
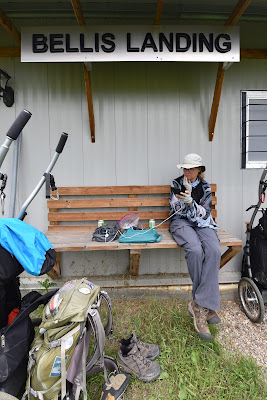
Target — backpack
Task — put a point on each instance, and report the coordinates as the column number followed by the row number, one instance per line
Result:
column 258, row 254
column 16, row 339
column 58, row 359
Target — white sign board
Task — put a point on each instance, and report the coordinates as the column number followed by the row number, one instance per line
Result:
column 130, row 43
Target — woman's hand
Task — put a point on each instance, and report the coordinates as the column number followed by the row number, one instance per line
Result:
column 186, row 197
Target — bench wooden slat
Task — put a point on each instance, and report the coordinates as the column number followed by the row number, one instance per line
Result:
column 107, row 203
column 109, row 216
column 82, row 240
column 108, row 190
column 114, row 202
column 112, row 190
column 85, row 227
column 106, row 216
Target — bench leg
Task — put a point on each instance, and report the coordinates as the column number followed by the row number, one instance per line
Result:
column 55, row 272
column 229, row 254
column 134, row 262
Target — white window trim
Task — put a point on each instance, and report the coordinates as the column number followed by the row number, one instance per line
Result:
column 252, row 94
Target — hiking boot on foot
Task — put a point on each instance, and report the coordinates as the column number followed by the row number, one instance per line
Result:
column 151, row 351
column 213, row 318
column 131, row 361
column 200, row 319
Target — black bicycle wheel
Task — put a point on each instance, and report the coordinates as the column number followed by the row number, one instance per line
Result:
column 6, row 396
column 251, row 300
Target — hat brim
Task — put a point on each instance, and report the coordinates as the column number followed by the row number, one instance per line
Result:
column 189, row 166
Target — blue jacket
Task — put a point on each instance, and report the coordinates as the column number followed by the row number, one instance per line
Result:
column 28, row 245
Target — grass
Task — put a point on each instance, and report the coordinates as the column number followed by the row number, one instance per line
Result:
column 191, row 368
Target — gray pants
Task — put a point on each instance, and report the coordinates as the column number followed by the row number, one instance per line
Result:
column 203, row 255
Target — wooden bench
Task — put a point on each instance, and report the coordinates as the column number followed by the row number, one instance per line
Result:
column 73, row 219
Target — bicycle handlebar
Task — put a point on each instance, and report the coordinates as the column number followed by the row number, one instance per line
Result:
column 61, row 143
column 18, row 124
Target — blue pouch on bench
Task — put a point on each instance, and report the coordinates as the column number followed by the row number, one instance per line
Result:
column 140, row 236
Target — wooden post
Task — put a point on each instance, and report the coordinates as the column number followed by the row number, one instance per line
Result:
column 55, row 272
column 134, row 262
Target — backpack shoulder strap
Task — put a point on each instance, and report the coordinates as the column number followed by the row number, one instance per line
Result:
column 109, row 325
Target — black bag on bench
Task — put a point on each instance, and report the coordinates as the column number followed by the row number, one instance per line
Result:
column 107, row 233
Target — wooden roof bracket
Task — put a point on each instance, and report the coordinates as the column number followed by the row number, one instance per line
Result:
column 87, row 67
column 158, row 12
column 216, row 100
column 9, row 27
column 231, row 21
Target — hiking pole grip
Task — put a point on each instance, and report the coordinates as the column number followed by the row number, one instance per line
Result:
column 18, row 124
column 61, row 143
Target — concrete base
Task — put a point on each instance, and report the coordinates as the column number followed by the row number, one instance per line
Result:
column 182, row 292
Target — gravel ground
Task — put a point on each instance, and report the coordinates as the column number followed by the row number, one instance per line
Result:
column 237, row 332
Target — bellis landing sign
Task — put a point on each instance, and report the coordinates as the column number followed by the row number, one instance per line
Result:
column 130, row 43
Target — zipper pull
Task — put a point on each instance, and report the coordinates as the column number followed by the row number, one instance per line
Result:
column 3, row 341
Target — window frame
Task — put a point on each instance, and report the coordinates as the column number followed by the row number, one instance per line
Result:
column 245, row 96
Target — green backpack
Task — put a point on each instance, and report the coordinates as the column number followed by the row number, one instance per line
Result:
column 58, row 359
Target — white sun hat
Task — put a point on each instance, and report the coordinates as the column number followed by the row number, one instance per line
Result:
column 192, row 161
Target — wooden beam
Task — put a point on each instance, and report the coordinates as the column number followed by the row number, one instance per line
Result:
column 237, row 12
column 78, row 12
column 9, row 51
column 9, row 27
column 229, row 254
column 253, row 53
column 216, row 100
column 158, row 12
column 231, row 21
column 81, row 21
column 89, row 102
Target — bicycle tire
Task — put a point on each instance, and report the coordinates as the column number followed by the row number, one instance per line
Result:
column 251, row 300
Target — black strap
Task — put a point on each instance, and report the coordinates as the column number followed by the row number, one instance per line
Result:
column 49, row 181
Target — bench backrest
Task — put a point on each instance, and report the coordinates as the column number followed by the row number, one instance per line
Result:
column 83, row 206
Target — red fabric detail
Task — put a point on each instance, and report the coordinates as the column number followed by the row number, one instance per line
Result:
column 12, row 315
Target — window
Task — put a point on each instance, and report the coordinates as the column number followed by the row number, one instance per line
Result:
column 254, row 129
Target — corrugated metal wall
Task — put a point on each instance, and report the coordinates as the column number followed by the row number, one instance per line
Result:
column 147, row 116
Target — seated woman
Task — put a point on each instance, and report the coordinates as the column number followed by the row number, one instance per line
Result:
column 193, row 228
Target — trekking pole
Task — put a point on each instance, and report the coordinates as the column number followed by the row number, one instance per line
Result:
column 58, row 151
column 11, row 135
column 14, row 132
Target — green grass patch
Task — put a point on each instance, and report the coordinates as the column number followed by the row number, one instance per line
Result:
column 192, row 368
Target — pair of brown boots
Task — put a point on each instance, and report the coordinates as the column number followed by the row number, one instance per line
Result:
column 137, row 358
